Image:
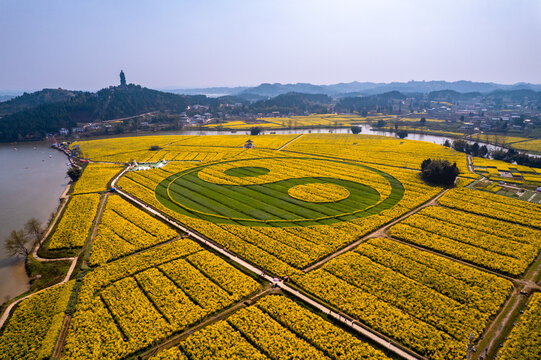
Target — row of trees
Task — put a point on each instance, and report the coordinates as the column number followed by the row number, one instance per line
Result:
column 509, row 155
column 513, row 156
column 472, row 149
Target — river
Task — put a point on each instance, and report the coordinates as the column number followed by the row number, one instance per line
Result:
column 366, row 130
column 32, row 179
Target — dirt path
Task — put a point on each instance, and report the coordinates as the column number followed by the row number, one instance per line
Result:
column 220, row 316
column 470, row 164
column 289, row 142
column 49, row 229
column 497, row 329
column 59, row 347
column 380, row 232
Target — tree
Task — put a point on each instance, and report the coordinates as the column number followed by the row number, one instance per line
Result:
column 475, row 149
column 154, row 148
column 447, row 143
column 402, row 134
column 483, row 151
column 356, row 129
column 380, row 123
column 122, row 78
column 439, row 172
column 74, row 173
column 255, row 130
column 33, row 229
column 422, row 121
column 460, row 145
column 16, row 243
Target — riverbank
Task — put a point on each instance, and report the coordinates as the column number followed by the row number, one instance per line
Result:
column 32, row 177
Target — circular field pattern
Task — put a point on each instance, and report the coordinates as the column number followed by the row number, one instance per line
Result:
column 319, row 192
column 280, row 191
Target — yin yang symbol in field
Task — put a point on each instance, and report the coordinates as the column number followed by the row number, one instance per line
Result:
column 280, row 191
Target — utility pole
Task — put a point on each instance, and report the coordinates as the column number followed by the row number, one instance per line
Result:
column 470, row 346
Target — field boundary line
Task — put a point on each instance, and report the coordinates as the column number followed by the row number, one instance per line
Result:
column 222, row 315
column 289, row 142
column 379, row 232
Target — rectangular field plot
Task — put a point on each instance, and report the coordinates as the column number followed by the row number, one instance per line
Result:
column 125, row 229
column 495, row 206
column 75, row 224
column 126, row 305
column 260, row 142
column 274, row 328
column 95, row 178
column 422, row 300
column 490, row 243
column 525, row 339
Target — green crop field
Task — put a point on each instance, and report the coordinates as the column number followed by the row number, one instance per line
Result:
column 262, row 204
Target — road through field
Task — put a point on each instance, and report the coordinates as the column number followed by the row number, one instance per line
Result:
column 384, row 342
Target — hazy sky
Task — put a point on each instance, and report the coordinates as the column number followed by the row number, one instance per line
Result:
column 80, row 44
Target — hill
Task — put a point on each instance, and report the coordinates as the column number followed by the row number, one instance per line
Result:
column 47, row 111
column 355, row 88
column 27, row 101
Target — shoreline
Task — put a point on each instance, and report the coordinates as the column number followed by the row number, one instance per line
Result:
column 40, row 178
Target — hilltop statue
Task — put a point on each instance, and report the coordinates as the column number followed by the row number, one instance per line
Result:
column 122, row 78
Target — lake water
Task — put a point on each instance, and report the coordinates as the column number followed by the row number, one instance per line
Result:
column 366, row 130
column 32, row 178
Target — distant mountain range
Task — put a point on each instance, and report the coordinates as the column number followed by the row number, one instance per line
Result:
column 266, row 90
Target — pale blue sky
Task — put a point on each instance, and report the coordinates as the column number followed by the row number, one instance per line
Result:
column 80, row 44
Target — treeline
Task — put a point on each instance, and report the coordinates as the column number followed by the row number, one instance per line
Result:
column 28, row 101
column 296, row 103
column 471, row 149
column 509, row 155
column 110, row 103
column 381, row 103
column 513, row 156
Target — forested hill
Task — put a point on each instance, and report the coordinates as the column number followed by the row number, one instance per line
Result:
column 45, row 111
column 27, row 101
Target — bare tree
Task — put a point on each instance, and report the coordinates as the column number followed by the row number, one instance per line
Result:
column 16, row 243
column 33, row 229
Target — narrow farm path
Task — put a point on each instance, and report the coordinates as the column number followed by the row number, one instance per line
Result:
column 213, row 319
column 96, row 223
column 381, row 232
column 495, row 333
column 289, row 142
column 49, row 229
column 59, row 346
column 470, row 164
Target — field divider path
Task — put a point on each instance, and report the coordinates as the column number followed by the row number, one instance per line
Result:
column 367, row 332
column 49, row 229
column 380, row 232
column 515, row 281
column 289, row 142
column 172, row 341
